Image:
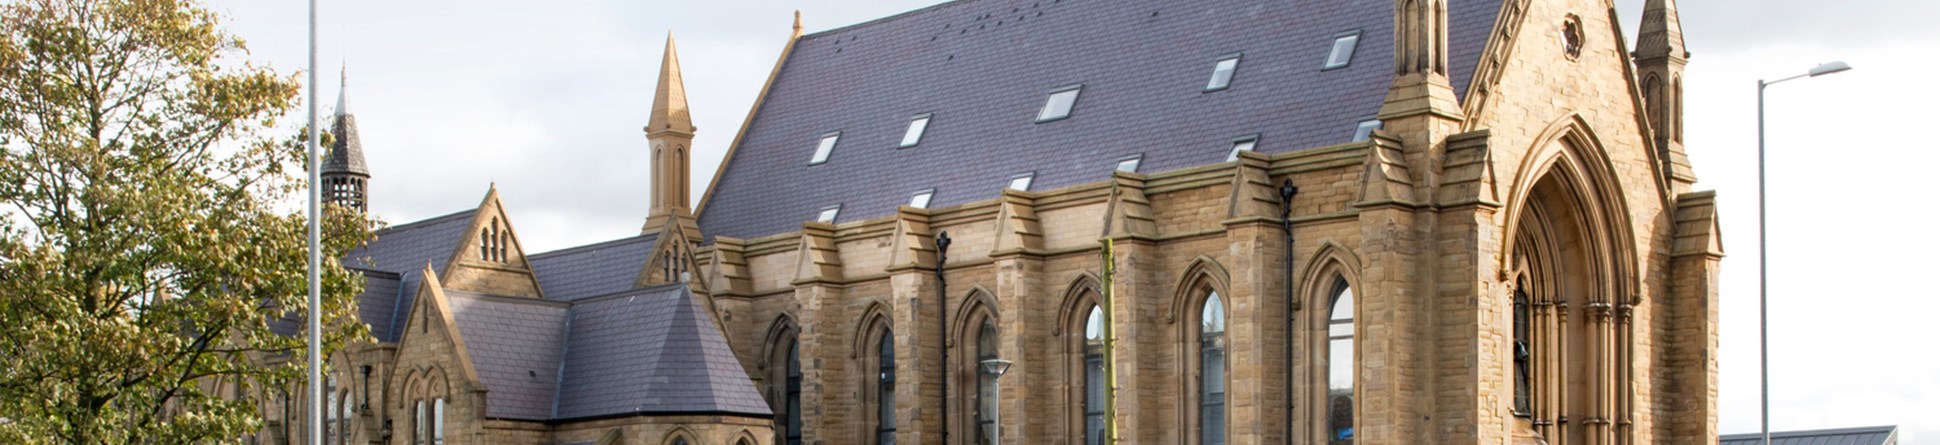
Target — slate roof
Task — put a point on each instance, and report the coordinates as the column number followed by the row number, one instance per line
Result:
column 592, row 270
column 515, row 345
column 403, row 251
column 984, row 68
column 1876, row 435
column 651, row 350
column 377, row 306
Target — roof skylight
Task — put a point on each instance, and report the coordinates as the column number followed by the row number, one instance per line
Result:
column 1365, row 129
column 1130, row 164
column 1242, row 143
column 1343, row 51
column 921, row 199
column 1021, row 182
column 828, row 214
column 823, row 149
column 1058, row 106
column 1223, row 73
column 915, row 132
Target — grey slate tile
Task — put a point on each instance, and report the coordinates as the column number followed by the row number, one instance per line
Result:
column 592, row 270
column 1876, row 435
column 983, row 68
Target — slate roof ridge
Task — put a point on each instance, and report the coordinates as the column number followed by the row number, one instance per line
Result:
column 635, row 292
column 508, row 299
column 427, row 221
column 586, row 247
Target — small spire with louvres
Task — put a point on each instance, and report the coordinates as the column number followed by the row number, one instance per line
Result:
column 346, row 180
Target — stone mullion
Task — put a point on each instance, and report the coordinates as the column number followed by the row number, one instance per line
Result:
column 1561, row 376
column 1626, row 378
column 1543, row 387
column 1597, row 427
column 918, row 335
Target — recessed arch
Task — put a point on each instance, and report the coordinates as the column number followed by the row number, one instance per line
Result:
column 875, row 317
column 1570, row 148
column 781, row 330
column 1083, row 292
column 680, row 435
column 978, row 302
column 1201, row 274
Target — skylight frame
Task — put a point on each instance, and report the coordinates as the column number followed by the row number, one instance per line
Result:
column 828, row 214
column 1337, row 59
column 1218, row 84
column 825, row 147
column 1136, row 161
column 1026, row 177
column 921, row 199
column 919, row 125
column 1044, row 113
column 1249, row 142
column 1364, row 129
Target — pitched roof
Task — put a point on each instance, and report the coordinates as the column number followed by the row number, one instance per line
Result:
column 647, row 351
column 983, row 68
column 514, row 344
column 346, row 153
column 1875, row 435
column 402, row 251
column 592, row 270
column 653, row 350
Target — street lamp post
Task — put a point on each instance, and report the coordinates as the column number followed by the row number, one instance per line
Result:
column 1764, row 372
column 996, row 369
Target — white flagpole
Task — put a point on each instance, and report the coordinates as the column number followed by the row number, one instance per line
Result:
column 315, row 345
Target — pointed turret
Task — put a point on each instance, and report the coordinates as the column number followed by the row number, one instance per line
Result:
column 345, row 177
column 1660, row 58
column 670, row 134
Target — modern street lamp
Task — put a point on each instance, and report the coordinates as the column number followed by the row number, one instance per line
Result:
column 996, row 368
column 1764, row 373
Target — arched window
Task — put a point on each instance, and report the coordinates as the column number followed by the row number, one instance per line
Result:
column 680, row 441
column 1212, row 371
column 437, row 421
column 986, row 400
column 343, row 420
column 886, row 389
column 330, row 425
column 1340, row 366
column 1094, row 398
column 792, row 396
column 419, row 417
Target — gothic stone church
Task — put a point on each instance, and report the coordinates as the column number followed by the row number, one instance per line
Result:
column 1406, row 222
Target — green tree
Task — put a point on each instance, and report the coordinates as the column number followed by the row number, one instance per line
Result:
column 149, row 233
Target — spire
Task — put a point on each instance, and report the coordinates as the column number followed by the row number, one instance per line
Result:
column 343, row 90
column 344, row 172
column 1661, row 35
column 670, row 98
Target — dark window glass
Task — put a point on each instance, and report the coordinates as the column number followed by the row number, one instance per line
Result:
column 794, row 396
column 1522, row 352
column 986, row 399
column 1094, row 378
column 1212, row 372
column 886, row 391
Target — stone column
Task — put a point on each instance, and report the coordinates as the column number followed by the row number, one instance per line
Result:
column 1256, row 330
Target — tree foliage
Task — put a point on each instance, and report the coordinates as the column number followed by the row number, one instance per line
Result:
column 150, row 235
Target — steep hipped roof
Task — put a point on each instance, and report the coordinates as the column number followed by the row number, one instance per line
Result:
column 648, row 351
column 1876, row 435
column 984, row 68
column 594, row 269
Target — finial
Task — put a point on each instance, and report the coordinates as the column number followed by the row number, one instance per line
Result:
column 343, row 89
column 798, row 22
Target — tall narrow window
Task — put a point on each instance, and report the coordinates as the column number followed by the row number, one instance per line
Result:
column 1058, row 106
column 1212, row 372
column 1094, row 377
column 1521, row 352
column 824, row 148
column 1340, row 367
column 886, row 390
column 794, row 396
column 343, row 420
column 330, row 424
column 914, row 134
column 1242, row 143
column 1222, row 75
column 1342, row 52
column 438, row 421
column 421, row 417
column 986, row 384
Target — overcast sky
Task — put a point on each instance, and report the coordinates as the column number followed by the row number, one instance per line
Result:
column 548, row 98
